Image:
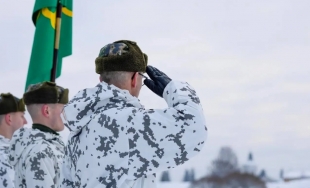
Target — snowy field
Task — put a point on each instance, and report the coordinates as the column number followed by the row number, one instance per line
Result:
column 173, row 185
column 294, row 184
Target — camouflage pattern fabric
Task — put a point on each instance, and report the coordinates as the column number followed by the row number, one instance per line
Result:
column 6, row 171
column 113, row 49
column 115, row 142
column 37, row 158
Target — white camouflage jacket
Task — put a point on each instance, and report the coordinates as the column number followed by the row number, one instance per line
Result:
column 116, row 143
column 37, row 157
column 6, row 171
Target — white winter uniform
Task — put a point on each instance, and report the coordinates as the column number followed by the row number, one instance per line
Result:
column 6, row 171
column 37, row 157
column 116, row 143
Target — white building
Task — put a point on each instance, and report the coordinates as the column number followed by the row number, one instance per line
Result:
column 249, row 166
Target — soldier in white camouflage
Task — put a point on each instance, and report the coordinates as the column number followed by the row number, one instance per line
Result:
column 12, row 110
column 37, row 153
column 117, row 143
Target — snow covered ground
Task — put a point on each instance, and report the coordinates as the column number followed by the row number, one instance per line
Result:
column 173, row 185
column 293, row 184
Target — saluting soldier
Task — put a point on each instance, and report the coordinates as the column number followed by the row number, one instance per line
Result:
column 115, row 142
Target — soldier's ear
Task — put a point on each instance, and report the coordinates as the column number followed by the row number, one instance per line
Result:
column 45, row 110
column 8, row 118
column 134, row 80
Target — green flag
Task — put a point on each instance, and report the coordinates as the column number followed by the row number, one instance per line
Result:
column 44, row 18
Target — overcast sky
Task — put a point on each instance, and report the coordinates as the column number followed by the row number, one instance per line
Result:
column 248, row 61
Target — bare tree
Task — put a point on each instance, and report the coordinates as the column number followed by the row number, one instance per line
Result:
column 281, row 174
column 186, row 177
column 165, row 176
column 234, row 180
column 192, row 175
column 262, row 174
column 225, row 164
column 226, row 174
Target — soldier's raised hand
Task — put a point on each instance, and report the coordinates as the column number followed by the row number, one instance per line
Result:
column 158, row 80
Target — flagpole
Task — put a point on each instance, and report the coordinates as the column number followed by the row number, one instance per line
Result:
column 57, row 40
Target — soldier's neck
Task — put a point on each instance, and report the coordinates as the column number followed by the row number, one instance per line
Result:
column 43, row 128
column 5, row 132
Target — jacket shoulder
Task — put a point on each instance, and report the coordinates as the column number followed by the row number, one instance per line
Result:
column 40, row 149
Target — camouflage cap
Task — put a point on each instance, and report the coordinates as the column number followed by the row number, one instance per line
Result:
column 122, row 55
column 10, row 103
column 46, row 93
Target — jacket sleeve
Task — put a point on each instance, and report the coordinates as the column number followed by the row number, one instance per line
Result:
column 163, row 139
column 65, row 176
column 5, row 170
column 40, row 168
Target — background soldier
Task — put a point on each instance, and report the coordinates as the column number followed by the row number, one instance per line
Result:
column 12, row 112
column 37, row 153
column 116, row 142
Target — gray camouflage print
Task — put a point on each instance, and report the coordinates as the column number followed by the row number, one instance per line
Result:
column 6, row 171
column 37, row 158
column 113, row 49
column 122, row 143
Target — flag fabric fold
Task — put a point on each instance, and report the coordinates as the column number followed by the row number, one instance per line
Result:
column 44, row 19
